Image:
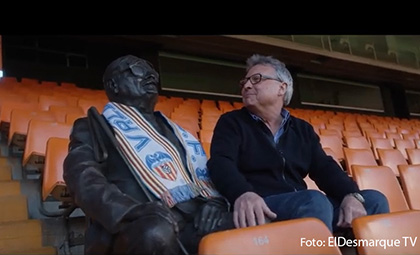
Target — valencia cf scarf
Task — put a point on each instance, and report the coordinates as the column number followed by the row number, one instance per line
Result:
column 156, row 162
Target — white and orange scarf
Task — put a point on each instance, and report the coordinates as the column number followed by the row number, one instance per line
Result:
column 156, row 162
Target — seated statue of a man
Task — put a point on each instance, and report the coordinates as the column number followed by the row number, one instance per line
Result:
column 140, row 179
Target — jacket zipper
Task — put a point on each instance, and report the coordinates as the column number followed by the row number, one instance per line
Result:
column 282, row 172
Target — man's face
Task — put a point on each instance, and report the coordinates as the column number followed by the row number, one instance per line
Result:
column 138, row 86
column 264, row 92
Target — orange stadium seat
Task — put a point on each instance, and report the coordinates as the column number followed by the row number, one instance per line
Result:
column 410, row 182
column 333, row 142
column 383, row 179
column 357, row 142
column 60, row 112
column 49, row 84
column 29, row 81
column 413, row 156
column 72, row 117
column 410, row 136
column 19, row 122
column 85, row 104
column 380, row 143
column 404, row 130
column 68, row 85
column 205, row 135
column 206, row 148
column 338, row 127
column 278, row 238
column 8, row 80
column 330, row 132
column 391, row 158
column 317, row 122
column 331, row 153
column 362, row 157
column 208, row 123
column 403, row 144
column 7, row 107
column 189, row 126
column 417, row 143
column 52, row 177
column 39, row 132
column 45, row 101
column 238, row 105
column 384, row 230
column 392, row 137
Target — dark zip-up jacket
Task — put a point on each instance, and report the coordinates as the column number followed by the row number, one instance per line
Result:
column 245, row 158
column 107, row 192
column 111, row 197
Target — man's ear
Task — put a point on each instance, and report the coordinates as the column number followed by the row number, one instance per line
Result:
column 113, row 86
column 282, row 89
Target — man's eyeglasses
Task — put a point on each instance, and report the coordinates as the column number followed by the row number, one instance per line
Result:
column 138, row 68
column 256, row 78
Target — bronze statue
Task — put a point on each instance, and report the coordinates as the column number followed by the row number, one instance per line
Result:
column 140, row 179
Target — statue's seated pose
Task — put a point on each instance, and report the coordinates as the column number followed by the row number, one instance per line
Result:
column 140, row 179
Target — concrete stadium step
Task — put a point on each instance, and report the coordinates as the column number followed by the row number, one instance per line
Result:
column 3, row 161
column 14, row 208
column 47, row 250
column 9, row 188
column 5, row 170
column 22, row 237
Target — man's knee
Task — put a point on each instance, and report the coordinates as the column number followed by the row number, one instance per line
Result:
column 316, row 204
column 150, row 234
column 318, row 201
column 375, row 202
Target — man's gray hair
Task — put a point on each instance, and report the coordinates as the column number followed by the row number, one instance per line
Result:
column 281, row 71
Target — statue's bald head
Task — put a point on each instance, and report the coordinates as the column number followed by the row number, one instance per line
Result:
column 132, row 81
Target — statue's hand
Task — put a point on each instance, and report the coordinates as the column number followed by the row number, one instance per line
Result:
column 210, row 215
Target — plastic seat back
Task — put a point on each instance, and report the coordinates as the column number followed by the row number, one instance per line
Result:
column 206, row 148
column 205, row 135
column 72, row 117
column 413, row 156
column 39, row 132
column 386, row 228
column 45, row 101
column 391, row 158
column 60, row 112
column 362, row 157
column 403, row 144
column 380, row 143
column 383, row 179
column 357, row 142
column 331, row 153
column 410, row 180
column 283, row 237
column 19, row 122
column 52, row 180
column 334, row 143
column 8, row 107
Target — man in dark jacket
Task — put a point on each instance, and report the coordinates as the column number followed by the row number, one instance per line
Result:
column 140, row 179
column 260, row 156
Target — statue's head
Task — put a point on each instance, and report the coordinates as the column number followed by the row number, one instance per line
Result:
column 132, row 81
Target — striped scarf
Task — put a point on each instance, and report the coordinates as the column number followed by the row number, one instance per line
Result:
column 156, row 162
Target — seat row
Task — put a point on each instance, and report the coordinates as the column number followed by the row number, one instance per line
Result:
column 391, row 233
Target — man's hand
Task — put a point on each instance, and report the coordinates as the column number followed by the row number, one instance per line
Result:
column 250, row 210
column 350, row 209
column 210, row 215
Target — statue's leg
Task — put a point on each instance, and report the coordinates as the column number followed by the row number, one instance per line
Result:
column 190, row 238
column 154, row 232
